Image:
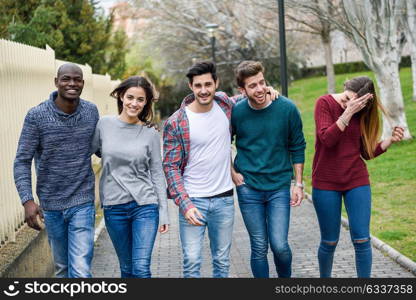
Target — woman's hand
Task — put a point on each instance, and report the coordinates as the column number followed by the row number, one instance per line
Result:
column 396, row 136
column 351, row 107
column 164, row 228
column 149, row 124
column 355, row 105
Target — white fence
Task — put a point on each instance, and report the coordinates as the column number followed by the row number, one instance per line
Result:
column 26, row 79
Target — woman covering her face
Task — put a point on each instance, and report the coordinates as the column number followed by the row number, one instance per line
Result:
column 347, row 131
column 132, row 183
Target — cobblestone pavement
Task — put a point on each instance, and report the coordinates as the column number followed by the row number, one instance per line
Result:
column 303, row 239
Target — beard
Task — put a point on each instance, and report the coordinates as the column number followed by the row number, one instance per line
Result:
column 255, row 100
column 205, row 99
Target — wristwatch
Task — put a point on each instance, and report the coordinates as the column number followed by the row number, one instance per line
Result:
column 299, row 185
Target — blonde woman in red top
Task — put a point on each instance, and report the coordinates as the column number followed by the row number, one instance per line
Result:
column 347, row 131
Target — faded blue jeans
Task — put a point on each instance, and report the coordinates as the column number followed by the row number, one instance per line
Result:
column 132, row 229
column 218, row 217
column 328, row 209
column 266, row 215
column 71, row 237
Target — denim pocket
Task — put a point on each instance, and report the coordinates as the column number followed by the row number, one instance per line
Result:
column 147, row 211
column 228, row 200
column 108, row 207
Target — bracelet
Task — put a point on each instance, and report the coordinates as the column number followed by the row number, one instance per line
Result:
column 299, row 185
column 343, row 121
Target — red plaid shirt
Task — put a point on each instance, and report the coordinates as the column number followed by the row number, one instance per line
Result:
column 176, row 147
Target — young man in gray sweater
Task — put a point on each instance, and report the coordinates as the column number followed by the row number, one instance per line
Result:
column 57, row 134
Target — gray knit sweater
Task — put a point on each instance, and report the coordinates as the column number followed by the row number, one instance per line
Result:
column 131, row 164
column 60, row 144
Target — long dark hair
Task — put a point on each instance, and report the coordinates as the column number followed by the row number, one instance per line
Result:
column 146, row 115
column 369, row 115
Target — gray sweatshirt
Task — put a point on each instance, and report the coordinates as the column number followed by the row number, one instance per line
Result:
column 131, row 164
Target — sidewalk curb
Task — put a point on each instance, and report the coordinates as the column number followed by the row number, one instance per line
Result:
column 387, row 250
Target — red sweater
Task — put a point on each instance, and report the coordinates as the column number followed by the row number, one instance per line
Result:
column 338, row 162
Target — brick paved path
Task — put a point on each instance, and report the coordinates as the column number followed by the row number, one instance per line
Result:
column 303, row 239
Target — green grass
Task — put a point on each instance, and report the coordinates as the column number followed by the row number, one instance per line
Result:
column 392, row 175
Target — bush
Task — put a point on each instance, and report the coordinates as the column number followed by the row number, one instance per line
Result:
column 343, row 68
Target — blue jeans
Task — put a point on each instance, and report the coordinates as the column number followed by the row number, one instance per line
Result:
column 218, row 217
column 267, row 216
column 328, row 209
column 132, row 229
column 71, row 237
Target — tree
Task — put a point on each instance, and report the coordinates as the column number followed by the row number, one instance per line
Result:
column 144, row 60
column 15, row 11
column 41, row 29
column 410, row 32
column 375, row 27
column 77, row 32
column 306, row 14
column 178, row 29
column 116, row 55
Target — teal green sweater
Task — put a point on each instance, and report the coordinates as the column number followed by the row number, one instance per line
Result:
column 269, row 141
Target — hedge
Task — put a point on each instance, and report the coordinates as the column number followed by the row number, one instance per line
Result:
column 350, row 67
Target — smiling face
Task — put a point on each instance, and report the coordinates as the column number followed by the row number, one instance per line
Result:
column 134, row 100
column 255, row 89
column 69, row 83
column 203, row 86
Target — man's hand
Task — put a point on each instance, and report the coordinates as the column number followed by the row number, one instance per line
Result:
column 238, row 178
column 33, row 215
column 164, row 228
column 297, row 196
column 271, row 94
column 193, row 216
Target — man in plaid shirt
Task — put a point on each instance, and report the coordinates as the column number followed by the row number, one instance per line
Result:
column 197, row 160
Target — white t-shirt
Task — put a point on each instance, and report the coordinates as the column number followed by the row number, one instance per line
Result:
column 207, row 172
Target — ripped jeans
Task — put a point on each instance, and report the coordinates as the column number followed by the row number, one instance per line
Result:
column 328, row 205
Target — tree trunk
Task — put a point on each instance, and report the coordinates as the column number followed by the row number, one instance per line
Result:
column 374, row 27
column 326, row 41
column 330, row 73
column 388, row 81
column 413, row 58
column 410, row 31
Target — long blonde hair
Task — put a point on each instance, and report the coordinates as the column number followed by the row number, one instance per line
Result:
column 369, row 115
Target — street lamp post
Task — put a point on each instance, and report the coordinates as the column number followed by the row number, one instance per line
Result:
column 282, row 40
column 211, row 29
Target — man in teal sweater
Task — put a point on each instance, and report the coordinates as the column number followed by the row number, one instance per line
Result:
column 270, row 145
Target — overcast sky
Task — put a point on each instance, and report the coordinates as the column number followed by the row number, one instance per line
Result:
column 106, row 4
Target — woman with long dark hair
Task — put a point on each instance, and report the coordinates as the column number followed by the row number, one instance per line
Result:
column 347, row 131
column 132, row 183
